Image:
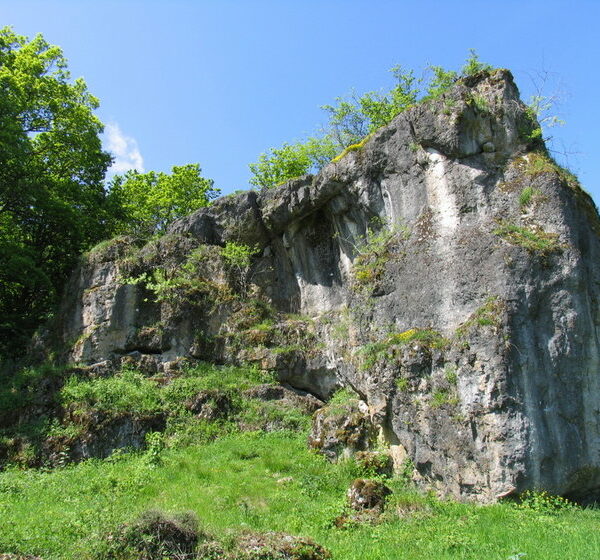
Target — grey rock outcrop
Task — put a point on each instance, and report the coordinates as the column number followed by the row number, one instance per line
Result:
column 446, row 272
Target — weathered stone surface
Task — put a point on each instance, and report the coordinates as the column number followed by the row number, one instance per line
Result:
column 106, row 434
column 502, row 399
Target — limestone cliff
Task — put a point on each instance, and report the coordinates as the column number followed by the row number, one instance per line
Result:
column 446, row 270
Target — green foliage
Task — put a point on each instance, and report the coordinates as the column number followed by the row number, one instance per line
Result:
column 291, row 160
column 351, row 119
column 150, row 202
column 480, row 103
column 22, row 388
column 441, row 82
column 489, row 314
column 191, row 282
column 539, row 108
column 52, row 201
column 473, row 65
column 81, row 404
column 169, row 286
column 238, row 255
column 342, row 397
column 402, row 384
column 540, row 163
column 542, row 502
column 155, row 444
column 530, row 129
column 528, row 195
column 127, row 392
column 268, row 482
column 238, row 258
column 373, row 251
column 450, row 374
column 443, row 397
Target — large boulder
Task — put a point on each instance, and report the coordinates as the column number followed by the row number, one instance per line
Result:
column 446, row 271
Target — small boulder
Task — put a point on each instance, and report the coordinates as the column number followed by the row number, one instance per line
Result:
column 300, row 399
column 340, row 430
column 278, row 546
column 156, row 535
column 211, row 404
column 366, row 494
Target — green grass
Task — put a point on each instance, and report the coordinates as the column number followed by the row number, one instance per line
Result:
column 242, row 481
column 537, row 241
column 490, row 314
column 388, row 348
column 528, row 195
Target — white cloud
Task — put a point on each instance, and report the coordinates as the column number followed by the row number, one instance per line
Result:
column 124, row 149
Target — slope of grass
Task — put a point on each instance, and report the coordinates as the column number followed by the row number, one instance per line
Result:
column 269, row 481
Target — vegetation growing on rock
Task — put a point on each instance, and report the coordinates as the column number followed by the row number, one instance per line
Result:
column 289, row 295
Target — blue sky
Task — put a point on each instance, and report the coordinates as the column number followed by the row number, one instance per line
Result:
column 218, row 82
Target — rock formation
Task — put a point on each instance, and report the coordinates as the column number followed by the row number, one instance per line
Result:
column 446, row 271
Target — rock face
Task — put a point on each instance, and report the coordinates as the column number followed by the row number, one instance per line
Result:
column 446, row 271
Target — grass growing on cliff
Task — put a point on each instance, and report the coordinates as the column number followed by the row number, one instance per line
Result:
column 390, row 346
column 535, row 241
column 132, row 393
column 269, row 481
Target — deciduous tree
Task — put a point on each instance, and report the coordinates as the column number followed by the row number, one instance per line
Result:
column 52, row 201
column 149, row 202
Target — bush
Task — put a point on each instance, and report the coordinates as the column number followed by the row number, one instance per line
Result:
column 150, row 202
column 291, row 160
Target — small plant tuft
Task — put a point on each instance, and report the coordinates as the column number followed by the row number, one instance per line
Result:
column 542, row 502
column 528, row 195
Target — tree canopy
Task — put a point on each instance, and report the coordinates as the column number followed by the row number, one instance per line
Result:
column 148, row 202
column 292, row 160
column 52, row 201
